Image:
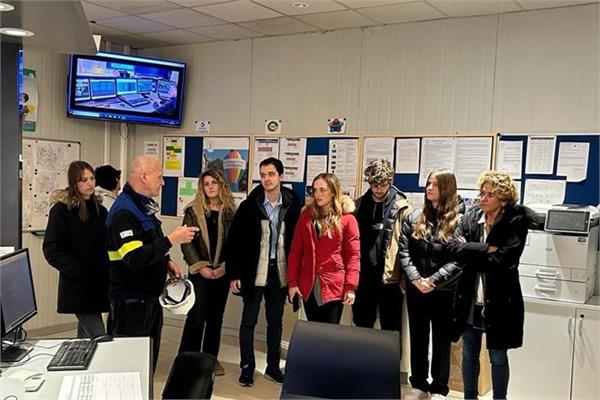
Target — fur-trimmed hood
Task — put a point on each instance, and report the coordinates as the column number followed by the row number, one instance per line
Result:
column 62, row 196
column 348, row 205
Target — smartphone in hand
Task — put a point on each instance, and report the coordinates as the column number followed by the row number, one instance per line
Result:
column 296, row 302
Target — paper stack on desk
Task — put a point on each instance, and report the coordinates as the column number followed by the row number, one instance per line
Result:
column 105, row 386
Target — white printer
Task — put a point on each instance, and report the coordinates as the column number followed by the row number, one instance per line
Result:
column 560, row 262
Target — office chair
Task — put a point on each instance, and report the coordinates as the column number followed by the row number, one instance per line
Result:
column 336, row 361
column 191, row 376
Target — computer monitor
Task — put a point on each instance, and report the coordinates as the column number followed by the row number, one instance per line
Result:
column 126, row 86
column 103, row 88
column 17, row 299
column 144, row 86
column 82, row 90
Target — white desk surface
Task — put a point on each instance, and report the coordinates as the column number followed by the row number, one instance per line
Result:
column 119, row 355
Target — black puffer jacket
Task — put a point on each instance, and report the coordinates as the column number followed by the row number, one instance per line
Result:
column 78, row 251
column 249, row 236
column 426, row 258
column 504, row 311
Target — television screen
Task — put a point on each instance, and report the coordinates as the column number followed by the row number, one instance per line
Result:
column 124, row 88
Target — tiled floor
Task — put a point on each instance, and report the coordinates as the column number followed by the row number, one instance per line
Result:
column 226, row 387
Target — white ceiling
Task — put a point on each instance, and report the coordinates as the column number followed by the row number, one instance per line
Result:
column 154, row 23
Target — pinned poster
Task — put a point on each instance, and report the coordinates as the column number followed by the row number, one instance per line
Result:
column 510, row 155
column 173, row 155
column 272, row 126
column 407, row 156
column 544, row 191
column 152, row 149
column 292, row 154
column 540, row 155
column 342, row 157
column 376, row 148
column 229, row 155
column 186, row 191
column 202, row 126
column 336, row 125
column 263, row 148
column 29, row 106
column 573, row 160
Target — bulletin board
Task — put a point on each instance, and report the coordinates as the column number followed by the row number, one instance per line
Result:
column 45, row 166
column 414, row 157
column 585, row 190
column 192, row 153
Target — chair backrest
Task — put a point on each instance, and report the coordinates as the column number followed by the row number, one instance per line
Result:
column 191, row 376
column 336, row 361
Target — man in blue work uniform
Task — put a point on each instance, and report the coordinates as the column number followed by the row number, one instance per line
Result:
column 138, row 251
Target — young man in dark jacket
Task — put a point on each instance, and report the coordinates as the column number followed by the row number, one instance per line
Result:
column 138, row 251
column 259, row 241
column 380, row 212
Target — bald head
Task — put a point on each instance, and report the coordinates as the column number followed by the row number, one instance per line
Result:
column 145, row 176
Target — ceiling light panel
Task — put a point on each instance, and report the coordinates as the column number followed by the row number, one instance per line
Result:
column 465, row 8
column 183, row 18
column 137, row 6
column 226, row 32
column 238, row 11
column 313, row 6
column 279, row 26
column 406, row 12
column 338, row 20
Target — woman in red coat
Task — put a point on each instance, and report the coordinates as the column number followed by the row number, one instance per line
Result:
column 324, row 261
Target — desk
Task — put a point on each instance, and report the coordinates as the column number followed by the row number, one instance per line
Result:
column 120, row 355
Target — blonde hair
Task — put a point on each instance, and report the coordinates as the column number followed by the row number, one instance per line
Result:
column 327, row 222
column 225, row 195
column 446, row 213
column 502, row 185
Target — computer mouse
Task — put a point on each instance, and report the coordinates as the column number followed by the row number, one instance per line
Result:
column 103, row 338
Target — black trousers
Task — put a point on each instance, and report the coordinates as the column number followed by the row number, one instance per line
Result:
column 425, row 311
column 138, row 317
column 387, row 298
column 274, row 296
column 330, row 312
column 202, row 329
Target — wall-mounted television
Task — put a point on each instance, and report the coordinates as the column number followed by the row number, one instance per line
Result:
column 125, row 88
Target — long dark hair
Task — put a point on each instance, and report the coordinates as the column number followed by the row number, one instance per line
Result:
column 75, row 199
column 446, row 214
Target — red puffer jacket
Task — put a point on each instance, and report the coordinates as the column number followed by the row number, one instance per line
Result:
column 335, row 260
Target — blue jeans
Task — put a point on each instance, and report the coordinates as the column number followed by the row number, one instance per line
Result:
column 470, row 365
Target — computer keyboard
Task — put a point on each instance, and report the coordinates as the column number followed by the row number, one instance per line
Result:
column 73, row 355
column 134, row 100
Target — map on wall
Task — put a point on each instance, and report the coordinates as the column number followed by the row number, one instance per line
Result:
column 45, row 166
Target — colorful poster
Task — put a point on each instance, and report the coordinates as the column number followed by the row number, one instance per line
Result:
column 230, row 156
column 30, row 100
column 174, row 152
column 186, row 191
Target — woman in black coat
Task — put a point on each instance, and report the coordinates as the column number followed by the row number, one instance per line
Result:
column 431, row 274
column 75, row 244
column 489, row 241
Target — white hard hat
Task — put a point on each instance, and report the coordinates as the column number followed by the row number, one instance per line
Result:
column 178, row 296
